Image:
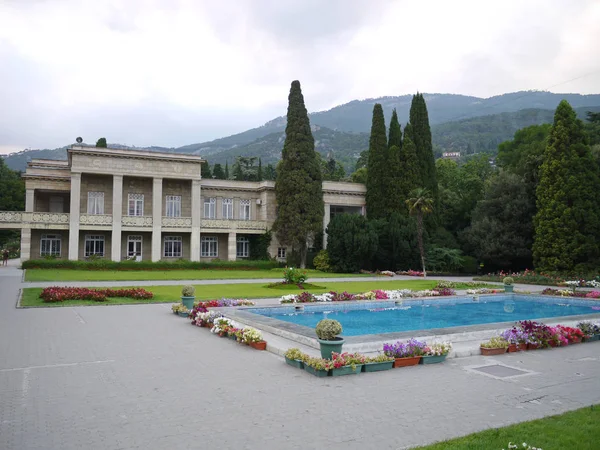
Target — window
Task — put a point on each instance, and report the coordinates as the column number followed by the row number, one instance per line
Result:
column 173, row 205
column 95, row 202
column 244, row 209
column 172, row 247
column 209, row 247
column 210, row 207
column 242, row 247
column 281, row 252
column 227, row 208
column 94, row 245
column 50, row 245
column 136, row 205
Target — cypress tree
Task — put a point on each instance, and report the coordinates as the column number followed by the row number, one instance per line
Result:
column 218, row 172
column 419, row 119
column 205, row 170
column 227, row 170
column 395, row 132
column 567, row 223
column 376, row 198
column 409, row 166
column 259, row 173
column 299, row 185
column 238, row 173
column 395, row 201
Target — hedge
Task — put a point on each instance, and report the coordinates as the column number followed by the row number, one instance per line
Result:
column 103, row 264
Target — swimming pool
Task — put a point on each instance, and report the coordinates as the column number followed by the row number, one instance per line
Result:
column 363, row 318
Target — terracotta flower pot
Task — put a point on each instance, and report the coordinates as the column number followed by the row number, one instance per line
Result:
column 533, row 346
column 405, row 362
column 260, row 345
column 492, row 351
column 512, row 348
column 522, row 347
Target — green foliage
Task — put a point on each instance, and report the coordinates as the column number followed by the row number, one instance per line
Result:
column 205, row 170
column 294, row 276
column 509, row 281
column 567, row 225
column 12, row 198
column 218, row 172
column 104, row 264
column 363, row 160
column 188, row 291
column 321, row 261
column 259, row 172
column 395, row 138
column 409, row 166
column 376, row 198
column 298, row 188
column 419, row 204
column 328, row 329
column 394, row 197
column 259, row 246
column 360, row 176
column 351, row 242
column 101, row 142
column 331, row 169
column 269, row 173
column 442, row 259
column 227, row 170
column 421, row 134
column 397, row 243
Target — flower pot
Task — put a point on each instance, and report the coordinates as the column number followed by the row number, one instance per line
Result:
column 317, row 373
column 531, row 346
column 183, row 314
column 593, row 338
column 492, row 351
column 346, row 370
column 508, row 288
column 327, row 347
column 260, row 345
column 405, row 362
column 432, row 359
column 295, row 363
column 377, row 366
column 233, row 337
column 512, row 348
column 188, row 302
column 522, row 347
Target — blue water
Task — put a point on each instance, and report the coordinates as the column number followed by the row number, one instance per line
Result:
column 385, row 317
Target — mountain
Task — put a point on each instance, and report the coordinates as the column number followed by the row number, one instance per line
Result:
column 459, row 122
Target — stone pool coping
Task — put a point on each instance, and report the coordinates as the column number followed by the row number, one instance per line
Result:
column 469, row 336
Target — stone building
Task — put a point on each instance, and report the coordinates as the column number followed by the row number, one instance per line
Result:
column 130, row 204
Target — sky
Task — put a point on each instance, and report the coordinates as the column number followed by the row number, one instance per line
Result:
column 177, row 72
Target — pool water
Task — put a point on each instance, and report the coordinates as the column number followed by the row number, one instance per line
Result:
column 385, row 317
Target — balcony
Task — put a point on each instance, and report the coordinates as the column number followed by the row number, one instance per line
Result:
column 177, row 222
column 136, row 221
column 95, row 219
column 252, row 226
column 21, row 219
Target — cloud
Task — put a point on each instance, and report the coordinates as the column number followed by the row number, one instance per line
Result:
column 174, row 72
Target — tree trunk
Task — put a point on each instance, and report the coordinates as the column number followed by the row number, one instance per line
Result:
column 303, row 254
column 420, row 240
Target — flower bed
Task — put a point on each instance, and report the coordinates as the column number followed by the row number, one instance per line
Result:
column 378, row 294
column 60, row 294
column 410, row 273
column 570, row 293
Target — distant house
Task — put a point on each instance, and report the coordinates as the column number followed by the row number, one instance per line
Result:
column 451, row 155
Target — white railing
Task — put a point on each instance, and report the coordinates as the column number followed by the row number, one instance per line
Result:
column 34, row 217
column 95, row 219
column 136, row 221
column 234, row 224
column 177, row 222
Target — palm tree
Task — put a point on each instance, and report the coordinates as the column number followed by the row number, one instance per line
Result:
column 419, row 204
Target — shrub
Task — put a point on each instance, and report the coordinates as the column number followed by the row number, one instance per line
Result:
column 508, row 281
column 188, row 291
column 103, row 264
column 321, row 261
column 294, row 276
column 328, row 329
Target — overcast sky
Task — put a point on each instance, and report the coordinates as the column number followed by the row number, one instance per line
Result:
column 170, row 73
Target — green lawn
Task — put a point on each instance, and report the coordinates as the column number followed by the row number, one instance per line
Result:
column 216, row 291
column 576, row 429
column 137, row 275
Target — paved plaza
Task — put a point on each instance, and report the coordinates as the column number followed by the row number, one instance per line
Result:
column 136, row 376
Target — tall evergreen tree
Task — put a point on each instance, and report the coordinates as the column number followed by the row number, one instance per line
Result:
column 101, row 143
column 227, row 170
column 395, row 201
column 238, row 173
column 376, row 197
column 409, row 166
column 395, row 132
column 567, row 223
column 205, row 170
column 298, row 187
column 270, row 172
column 218, row 172
column 419, row 120
column 259, row 172
column 419, row 204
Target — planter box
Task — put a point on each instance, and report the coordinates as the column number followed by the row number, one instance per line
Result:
column 575, row 340
column 433, row 359
column 328, row 347
column 346, row 370
column 405, row 362
column 508, row 288
column 317, row 373
column 377, row 366
column 593, row 338
column 260, row 345
column 492, row 351
column 233, row 337
column 512, row 348
column 295, row 363
column 183, row 314
column 522, row 347
column 533, row 346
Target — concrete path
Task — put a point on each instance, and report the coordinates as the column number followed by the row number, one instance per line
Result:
column 138, row 377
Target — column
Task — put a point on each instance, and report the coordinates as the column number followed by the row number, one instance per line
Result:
column 196, row 208
column 74, row 216
column 156, row 218
column 25, row 244
column 117, row 213
column 326, row 218
column 231, row 247
column 29, row 200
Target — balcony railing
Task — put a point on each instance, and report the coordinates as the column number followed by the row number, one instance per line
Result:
column 95, row 219
column 136, row 221
column 177, row 222
column 34, row 218
column 234, row 224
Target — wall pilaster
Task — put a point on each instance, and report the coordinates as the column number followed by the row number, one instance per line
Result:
column 231, row 247
column 156, row 218
column 74, row 216
column 196, row 208
column 326, row 219
column 117, row 216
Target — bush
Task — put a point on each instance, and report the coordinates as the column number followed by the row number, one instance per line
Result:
column 352, row 242
column 60, row 294
column 181, row 264
column 321, row 261
column 442, row 259
column 294, row 276
column 188, row 291
column 508, row 281
column 328, row 329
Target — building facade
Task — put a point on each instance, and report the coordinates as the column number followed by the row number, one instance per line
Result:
column 130, row 204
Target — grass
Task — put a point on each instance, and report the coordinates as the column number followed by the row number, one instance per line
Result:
column 576, row 429
column 163, row 294
column 190, row 274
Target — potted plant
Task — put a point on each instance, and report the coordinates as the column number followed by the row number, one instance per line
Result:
column 590, row 331
column 175, row 308
column 183, row 311
column 378, row 363
column 508, row 284
column 319, row 367
column 405, row 354
column 187, row 296
column 294, row 357
column 346, row 363
column 253, row 338
column 573, row 335
column 436, row 353
column 495, row 346
column 327, row 331
column 515, row 338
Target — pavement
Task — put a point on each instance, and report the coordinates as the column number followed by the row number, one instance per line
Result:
column 139, row 377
